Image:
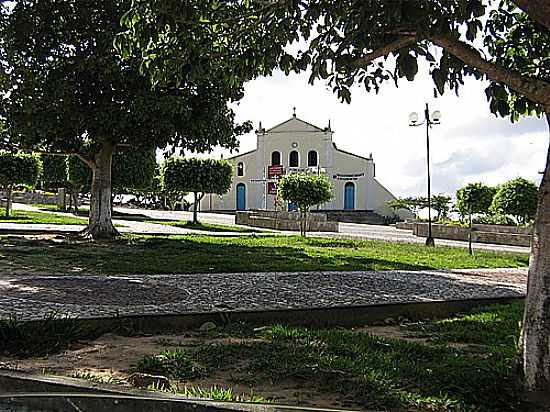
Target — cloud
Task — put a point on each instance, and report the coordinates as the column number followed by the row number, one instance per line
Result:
column 498, row 127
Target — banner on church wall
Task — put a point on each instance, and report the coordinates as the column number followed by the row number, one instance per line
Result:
column 275, row 171
column 351, row 176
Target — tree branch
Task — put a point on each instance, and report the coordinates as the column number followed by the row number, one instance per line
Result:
column 534, row 89
column 538, row 10
column 385, row 50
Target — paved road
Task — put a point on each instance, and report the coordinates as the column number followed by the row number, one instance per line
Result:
column 32, row 296
column 347, row 230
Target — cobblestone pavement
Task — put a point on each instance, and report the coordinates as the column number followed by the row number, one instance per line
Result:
column 89, row 296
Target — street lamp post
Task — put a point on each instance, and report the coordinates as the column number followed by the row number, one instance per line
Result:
column 429, row 120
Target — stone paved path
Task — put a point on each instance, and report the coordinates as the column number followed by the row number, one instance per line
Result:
column 85, row 296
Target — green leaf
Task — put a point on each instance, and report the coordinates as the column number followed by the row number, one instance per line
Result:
column 407, row 65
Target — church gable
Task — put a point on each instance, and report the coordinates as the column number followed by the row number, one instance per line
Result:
column 294, row 125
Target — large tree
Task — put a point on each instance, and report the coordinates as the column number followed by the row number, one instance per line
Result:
column 370, row 41
column 65, row 89
column 351, row 41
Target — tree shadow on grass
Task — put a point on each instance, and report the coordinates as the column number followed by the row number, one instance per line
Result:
column 196, row 254
column 14, row 219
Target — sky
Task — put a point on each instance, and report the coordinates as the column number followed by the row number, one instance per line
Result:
column 470, row 144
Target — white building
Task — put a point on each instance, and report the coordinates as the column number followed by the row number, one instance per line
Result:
column 294, row 146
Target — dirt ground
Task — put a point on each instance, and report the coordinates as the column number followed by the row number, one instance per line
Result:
column 110, row 359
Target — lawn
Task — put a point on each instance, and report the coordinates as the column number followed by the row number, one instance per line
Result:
column 202, row 253
column 465, row 363
column 28, row 217
column 208, row 227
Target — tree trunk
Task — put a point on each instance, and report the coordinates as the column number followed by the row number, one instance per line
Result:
column 536, row 321
column 470, row 251
column 195, row 215
column 9, row 195
column 74, row 197
column 100, row 225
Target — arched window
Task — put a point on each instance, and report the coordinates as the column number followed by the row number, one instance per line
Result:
column 240, row 169
column 312, row 158
column 276, row 159
column 293, row 160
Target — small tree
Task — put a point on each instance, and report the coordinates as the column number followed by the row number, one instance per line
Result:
column 199, row 176
column 412, row 204
column 399, row 204
column 305, row 191
column 442, row 205
column 54, row 172
column 79, row 176
column 131, row 170
column 473, row 198
column 518, row 198
column 17, row 169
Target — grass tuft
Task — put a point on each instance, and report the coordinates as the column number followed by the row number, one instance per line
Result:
column 170, row 363
column 218, row 393
column 51, row 335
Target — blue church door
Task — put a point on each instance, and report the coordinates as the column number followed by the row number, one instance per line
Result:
column 349, row 196
column 241, row 196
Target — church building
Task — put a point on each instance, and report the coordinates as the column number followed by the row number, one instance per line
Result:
column 297, row 146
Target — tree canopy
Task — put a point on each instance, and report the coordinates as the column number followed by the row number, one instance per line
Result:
column 474, row 198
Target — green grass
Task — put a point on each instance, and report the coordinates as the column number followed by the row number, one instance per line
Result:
column 496, row 327
column 201, row 253
column 47, row 206
column 209, row 227
column 382, row 374
column 30, row 217
column 218, row 393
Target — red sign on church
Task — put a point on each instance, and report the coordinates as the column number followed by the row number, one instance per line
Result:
column 275, row 171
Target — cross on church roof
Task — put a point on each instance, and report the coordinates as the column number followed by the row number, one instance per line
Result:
column 294, row 111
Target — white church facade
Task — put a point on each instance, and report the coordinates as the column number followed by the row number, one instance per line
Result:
column 297, row 146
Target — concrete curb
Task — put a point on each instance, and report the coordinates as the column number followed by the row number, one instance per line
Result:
column 344, row 316
column 52, row 393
